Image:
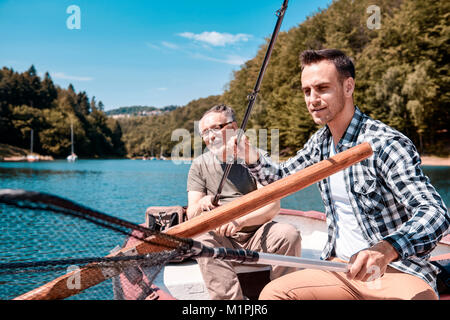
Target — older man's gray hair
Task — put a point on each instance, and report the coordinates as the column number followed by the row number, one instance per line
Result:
column 222, row 108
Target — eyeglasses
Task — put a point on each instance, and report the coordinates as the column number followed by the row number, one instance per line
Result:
column 215, row 130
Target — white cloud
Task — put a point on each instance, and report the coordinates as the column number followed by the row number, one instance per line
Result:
column 215, row 38
column 62, row 75
column 166, row 44
column 230, row 59
column 152, row 46
column 169, row 45
column 161, row 89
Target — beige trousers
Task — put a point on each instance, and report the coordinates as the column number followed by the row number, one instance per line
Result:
column 309, row 284
column 272, row 237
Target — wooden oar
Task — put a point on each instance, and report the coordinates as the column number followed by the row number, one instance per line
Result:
column 58, row 288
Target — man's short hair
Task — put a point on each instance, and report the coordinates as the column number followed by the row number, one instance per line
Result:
column 222, row 108
column 344, row 65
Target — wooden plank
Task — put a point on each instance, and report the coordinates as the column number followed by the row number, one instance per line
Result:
column 58, row 289
column 274, row 191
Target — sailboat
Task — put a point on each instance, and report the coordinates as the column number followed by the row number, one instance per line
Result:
column 72, row 157
column 32, row 157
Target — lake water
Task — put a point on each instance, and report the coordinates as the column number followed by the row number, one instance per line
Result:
column 125, row 188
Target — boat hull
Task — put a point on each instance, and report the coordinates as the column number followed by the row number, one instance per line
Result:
column 172, row 279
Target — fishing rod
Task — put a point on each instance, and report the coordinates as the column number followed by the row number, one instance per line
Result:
column 252, row 97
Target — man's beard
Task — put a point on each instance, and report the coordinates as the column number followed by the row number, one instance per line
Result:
column 218, row 148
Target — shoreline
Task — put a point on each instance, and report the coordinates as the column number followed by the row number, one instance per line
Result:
column 426, row 160
column 435, row 161
column 14, row 154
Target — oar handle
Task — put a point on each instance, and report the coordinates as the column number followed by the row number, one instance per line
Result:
column 272, row 192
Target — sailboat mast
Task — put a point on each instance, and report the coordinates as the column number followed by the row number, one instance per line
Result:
column 31, row 143
column 71, row 135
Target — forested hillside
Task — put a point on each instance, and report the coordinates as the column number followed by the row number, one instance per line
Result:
column 28, row 102
column 402, row 77
column 151, row 136
column 138, row 110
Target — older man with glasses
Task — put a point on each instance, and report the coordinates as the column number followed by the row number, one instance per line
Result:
column 254, row 231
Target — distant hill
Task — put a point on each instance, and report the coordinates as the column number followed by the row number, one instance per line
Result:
column 139, row 110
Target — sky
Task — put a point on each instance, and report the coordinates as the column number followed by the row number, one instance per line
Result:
column 141, row 52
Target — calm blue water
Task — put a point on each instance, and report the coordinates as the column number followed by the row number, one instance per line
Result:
column 125, row 188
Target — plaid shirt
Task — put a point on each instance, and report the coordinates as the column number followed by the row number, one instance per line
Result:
column 391, row 197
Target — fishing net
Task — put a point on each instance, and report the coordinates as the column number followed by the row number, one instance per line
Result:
column 53, row 248
column 45, row 237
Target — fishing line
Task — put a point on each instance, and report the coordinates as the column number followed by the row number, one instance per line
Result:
column 252, row 97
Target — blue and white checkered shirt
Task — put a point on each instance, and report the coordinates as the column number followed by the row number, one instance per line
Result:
column 391, row 197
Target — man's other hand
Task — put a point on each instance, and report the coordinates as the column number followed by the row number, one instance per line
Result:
column 206, row 204
column 229, row 229
column 371, row 263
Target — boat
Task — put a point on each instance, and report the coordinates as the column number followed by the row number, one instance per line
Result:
column 72, row 157
column 172, row 283
column 32, row 158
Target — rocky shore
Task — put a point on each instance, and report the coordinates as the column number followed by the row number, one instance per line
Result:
column 10, row 153
column 30, row 158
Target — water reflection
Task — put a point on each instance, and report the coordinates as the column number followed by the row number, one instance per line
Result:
column 8, row 173
column 128, row 187
column 440, row 179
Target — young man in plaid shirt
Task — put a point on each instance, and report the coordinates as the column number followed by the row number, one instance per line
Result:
column 383, row 215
